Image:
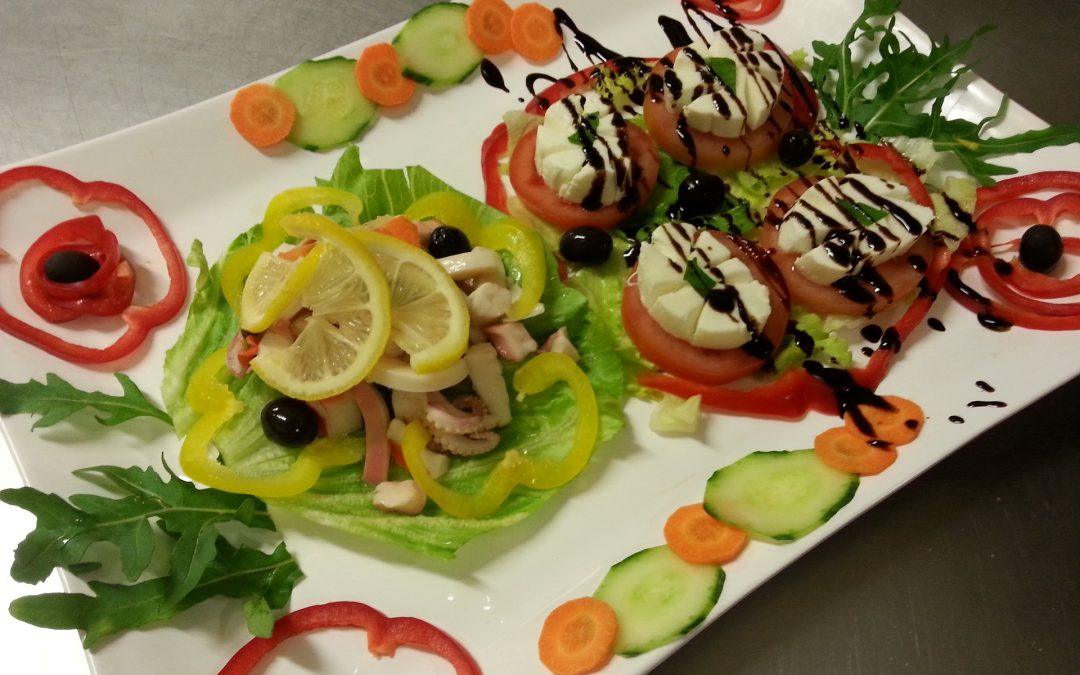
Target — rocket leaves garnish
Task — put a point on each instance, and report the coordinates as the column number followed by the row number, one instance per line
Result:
column 885, row 93
column 56, row 399
column 201, row 562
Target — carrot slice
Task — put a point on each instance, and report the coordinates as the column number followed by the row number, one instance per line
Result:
column 488, row 25
column 262, row 114
column 698, row 538
column 578, row 637
column 533, row 32
column 898, row 426
column 400, row 227
column 844, row 450
column 298, row 251
column 378, row 74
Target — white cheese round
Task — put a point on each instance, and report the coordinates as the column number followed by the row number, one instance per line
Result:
column 680, row 307
column 562, row 160
column 710, row 106
column 834, row 243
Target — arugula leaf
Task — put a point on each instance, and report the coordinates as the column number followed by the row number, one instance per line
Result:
column 201, row 562
column 698, row 279
column 587, row 131
column 235, row 573
column 56, row 399
column 885, row 92
column 864, row 214
column 724, row 69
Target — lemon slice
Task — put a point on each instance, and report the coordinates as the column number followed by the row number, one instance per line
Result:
column 273, row 287
column 349, row 325
column 430, row 318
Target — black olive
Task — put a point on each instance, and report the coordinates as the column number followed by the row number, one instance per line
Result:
column 290, row 422
column 1040, row 248
column 796, row 148
column 586, row 245
column 701, row 193
column 68, row 267
column 446, row 241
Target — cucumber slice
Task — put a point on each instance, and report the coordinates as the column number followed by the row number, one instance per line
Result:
column 658, row 597
column 778, row 496
column 330, row 110
column 434, row 45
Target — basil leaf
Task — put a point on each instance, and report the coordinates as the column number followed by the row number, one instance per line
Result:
column 725, row 70
column 698, row 279
column 864, row 214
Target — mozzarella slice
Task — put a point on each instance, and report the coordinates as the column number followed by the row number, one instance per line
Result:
column 738, row 305
column 599, row 171
column 712, row 107
column 833, row 243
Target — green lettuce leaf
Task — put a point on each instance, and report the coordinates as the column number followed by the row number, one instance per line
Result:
column 541, row 425
column 828, row 347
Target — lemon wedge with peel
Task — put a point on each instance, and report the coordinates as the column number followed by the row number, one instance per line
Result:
column 273, row 287
column 349, row 323
column 430, row 319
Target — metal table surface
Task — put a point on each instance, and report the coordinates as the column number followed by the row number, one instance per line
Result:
column 972, row 568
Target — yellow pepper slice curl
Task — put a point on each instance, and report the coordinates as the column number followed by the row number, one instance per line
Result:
column 521, row 240
column 516, row 468
column 241, row 261
column 210, row 397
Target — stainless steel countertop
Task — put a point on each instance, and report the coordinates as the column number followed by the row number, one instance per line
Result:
column 972, row 568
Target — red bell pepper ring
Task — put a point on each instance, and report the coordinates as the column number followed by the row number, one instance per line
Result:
column 106, row 293
column 385, row 635
column 896, row 164
column 740, row 10
column 790, row 397
column 1006, row 206
column 494, row 149
column 140, row 319
column 1039, row 285
column 1011, row 188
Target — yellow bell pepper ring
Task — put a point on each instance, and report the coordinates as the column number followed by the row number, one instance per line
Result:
column 241, row 261
column 449, row 209
column 521, row 240
column 211, row 398
column 528, row 250
column 516, row 468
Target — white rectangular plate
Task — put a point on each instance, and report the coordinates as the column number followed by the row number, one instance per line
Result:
column 207, row 183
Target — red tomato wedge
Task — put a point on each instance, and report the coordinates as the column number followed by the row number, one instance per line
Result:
column 899, row 272
column 705, row 366
column 547, row 205
column 716, row 153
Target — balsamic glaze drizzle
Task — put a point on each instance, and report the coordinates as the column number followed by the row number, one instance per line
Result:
column 849, row 395
column 935, row 324
column 985, row 386
column 491, row 74
column 956, row 419
column 675, row 31
column 987, row 404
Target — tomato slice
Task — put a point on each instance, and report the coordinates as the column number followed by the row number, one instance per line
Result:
column 716, row 153
column 679, row 357
column 900, row 273
column 549, row 206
